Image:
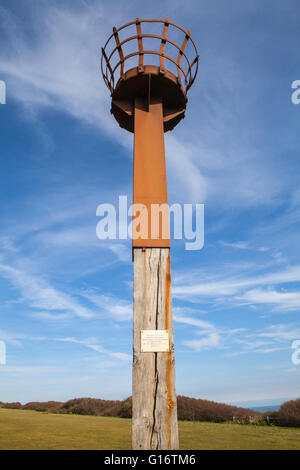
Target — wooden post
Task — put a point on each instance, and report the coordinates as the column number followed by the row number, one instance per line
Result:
column 154, row 413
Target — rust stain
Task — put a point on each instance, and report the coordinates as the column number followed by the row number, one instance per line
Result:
column 167, row 293
column 170, row 404
column 144, row 278
column 144, row 266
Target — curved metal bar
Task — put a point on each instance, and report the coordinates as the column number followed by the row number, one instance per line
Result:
column 181, row 51
column 163, row 45
column 140, row 44
column 119, row 48
column 109, row 68
column 192, row 79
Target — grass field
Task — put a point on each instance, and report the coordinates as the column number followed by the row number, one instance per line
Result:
column 20, row 429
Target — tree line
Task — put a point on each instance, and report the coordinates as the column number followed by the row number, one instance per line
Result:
column 189, row 409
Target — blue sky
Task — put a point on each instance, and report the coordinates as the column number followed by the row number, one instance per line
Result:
column 65, row 296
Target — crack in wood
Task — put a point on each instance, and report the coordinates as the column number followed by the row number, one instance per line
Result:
column 155, row 360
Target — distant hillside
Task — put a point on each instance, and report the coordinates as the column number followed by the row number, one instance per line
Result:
column 189, row 409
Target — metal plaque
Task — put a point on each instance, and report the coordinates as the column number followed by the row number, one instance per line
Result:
column 155, row 341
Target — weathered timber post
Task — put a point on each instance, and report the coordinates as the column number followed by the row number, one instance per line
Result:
column 149, row 100
column 154, row 404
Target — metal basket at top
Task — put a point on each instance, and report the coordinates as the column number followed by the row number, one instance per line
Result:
column 188, row 72
column 170, row 78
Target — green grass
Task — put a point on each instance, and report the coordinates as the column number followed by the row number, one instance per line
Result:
column 20, row 429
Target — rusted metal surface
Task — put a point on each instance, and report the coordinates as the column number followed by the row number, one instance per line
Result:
column 134, row 82
column 149, row 175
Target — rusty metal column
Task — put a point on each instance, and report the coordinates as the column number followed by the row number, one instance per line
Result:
column 154, row 405
column 149, row 171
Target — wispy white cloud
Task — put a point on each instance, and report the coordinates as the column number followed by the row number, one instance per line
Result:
column 111, row 306
column 281, row 333
column 94, row 345
column 122, row 251
column 271, row 339
column 212, row 341
column 68, row 237
column 238, row 341
column 287, row 301
column 211, row 336
column 240, row 245
column 234, row 288
column 39, row 294
column 54, row 317
column 184, row 175
column 49, row 303
column 45, row 74
column 184, row 310
column 243, row 245
column 77, row 237
column 13, row 339
column 205, row 326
